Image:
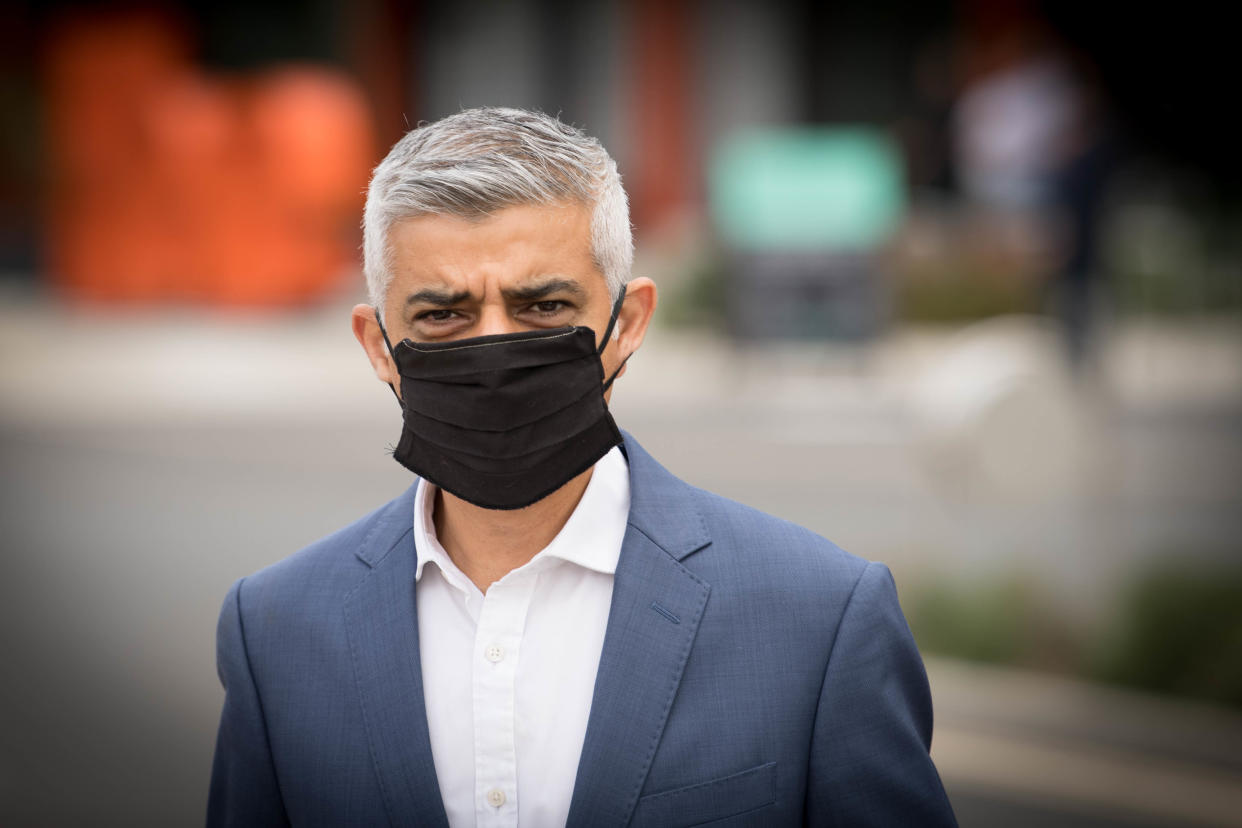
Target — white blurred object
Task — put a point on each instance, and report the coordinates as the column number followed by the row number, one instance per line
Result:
column 996, row 408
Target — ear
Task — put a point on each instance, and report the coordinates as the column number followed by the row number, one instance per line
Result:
column 634, row 318
column 371, row 338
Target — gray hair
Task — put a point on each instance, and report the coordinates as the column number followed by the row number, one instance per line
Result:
column 481, row 160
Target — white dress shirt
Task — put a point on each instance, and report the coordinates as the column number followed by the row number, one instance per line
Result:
column 508, row 674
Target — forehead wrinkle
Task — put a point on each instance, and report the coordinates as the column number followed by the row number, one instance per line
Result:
column 513, row 253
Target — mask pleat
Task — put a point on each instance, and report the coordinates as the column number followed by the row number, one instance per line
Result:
column 511, row 446
column 511, row 489
column 501, row 400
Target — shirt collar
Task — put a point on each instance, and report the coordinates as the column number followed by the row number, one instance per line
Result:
column 591, row 538
column 426, row 544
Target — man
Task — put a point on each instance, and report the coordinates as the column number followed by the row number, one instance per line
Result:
column 548, row 628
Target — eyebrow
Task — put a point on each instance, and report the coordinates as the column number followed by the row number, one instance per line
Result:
column 537, row 291
column 439, row 298
column 529, row 293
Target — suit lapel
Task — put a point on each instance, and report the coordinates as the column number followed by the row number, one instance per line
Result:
column 382, row 624
column 656, row 607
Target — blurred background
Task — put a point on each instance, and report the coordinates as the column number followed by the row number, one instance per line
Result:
column 956, row 285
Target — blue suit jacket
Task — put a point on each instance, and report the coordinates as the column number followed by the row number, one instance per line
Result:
column 752, row 673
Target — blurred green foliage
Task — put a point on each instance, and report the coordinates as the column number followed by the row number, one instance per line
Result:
column 956, row 295
column 1000, row 621
column 1178, row 631
column 1171, row 257
column 1173, row 631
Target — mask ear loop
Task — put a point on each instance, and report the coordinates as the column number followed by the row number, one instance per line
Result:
column 612, row 320
column 391, row 353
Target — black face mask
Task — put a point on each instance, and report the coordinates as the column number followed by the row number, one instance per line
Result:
column 502, row 421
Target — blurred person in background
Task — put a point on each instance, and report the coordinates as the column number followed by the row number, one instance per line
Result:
column 547, row 627
column 1030, row 145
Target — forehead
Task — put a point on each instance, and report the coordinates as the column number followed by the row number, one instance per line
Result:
column 511, row 245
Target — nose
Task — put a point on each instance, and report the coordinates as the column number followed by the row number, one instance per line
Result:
column 495, row 319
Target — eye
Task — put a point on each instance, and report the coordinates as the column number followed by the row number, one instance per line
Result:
column 549, row 307
column 437, row 315
column 437, row 323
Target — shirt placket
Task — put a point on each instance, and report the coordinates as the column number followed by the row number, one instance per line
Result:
column 497, row 650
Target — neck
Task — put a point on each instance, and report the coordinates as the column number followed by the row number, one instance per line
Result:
column 487, row 544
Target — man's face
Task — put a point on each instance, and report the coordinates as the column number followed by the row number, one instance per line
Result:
column 522, row 268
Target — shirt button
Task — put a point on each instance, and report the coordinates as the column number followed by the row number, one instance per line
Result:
column 495, row 797
column 494, row 653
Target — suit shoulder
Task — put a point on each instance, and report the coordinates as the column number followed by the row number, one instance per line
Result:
column 781, row 546
column 772, row 575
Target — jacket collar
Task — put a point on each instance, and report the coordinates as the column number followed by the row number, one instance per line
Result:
column 381, row 622
column 393, row 522
column 661, row 506
column 657, row 604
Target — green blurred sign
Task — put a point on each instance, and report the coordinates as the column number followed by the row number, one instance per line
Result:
column 807, row 188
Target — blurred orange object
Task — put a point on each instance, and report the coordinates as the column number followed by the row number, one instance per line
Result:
column 172, row 186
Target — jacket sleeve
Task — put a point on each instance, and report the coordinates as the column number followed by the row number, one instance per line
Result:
column 244, row 789
column 870, row 762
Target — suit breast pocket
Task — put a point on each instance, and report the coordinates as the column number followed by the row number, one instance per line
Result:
column 738, row 794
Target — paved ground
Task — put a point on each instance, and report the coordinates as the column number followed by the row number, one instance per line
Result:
column 152, row 460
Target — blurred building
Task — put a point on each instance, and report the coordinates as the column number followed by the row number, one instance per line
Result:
column 163, row 142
